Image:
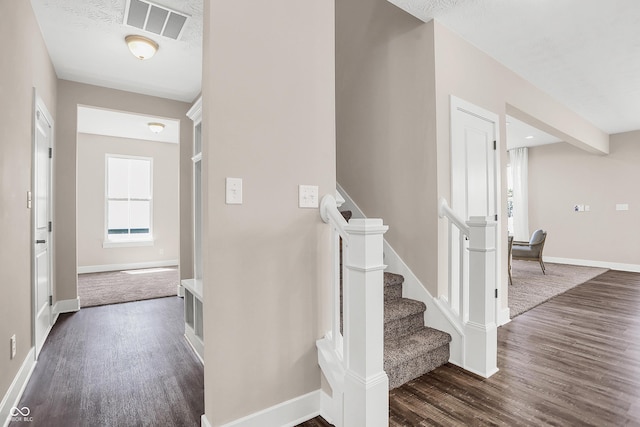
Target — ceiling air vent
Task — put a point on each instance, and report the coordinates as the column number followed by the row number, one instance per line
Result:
column 155, row 18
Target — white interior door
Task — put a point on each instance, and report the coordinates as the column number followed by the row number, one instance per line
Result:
column 473, row 164
column 474, row 175
column 43, row 136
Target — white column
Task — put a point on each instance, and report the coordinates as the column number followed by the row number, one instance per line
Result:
column 481, row 344
column 366, row 389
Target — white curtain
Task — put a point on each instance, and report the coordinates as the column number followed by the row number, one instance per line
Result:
column 519, row 168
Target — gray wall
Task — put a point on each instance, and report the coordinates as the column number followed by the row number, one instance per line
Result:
column 561, row 176
column 92, row 150
column 268, row 104
column 25, row 64
column 70, row 95
column 385, row 116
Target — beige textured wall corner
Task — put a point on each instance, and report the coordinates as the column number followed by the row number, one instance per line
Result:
column 561, row 176
column 385, row 116
column 25, row 65
column 92, row 150
column 70, row 95
column 268, row 88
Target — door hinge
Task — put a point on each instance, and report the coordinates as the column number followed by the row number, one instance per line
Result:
column 494, row 145
column 496, row 217
column 50, row 226
column 51, row 152
column 496, row 293
column 50, row 300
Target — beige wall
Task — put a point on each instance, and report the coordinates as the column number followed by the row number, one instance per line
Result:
column 385, row 116
column 70, row 95
column 25, row 64
column 268, row 88
column 468, row 73
column 92, row 150
column 561, row 176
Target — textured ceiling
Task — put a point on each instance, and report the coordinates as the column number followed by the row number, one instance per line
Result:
column 584, row 53
column 85, row 39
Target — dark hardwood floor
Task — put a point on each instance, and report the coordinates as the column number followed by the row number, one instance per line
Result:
column 572, row 361
column 117, row 365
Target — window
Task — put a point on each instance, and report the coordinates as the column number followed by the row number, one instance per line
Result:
column 128, row 200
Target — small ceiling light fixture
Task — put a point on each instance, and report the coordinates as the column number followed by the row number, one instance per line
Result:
column 529, row 137
column 141, row 47
column 156, row 127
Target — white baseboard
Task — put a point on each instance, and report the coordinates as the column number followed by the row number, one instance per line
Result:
column 204, row 422
column 285, row 414
column 504, row 316
column 66, row 306
column 131, row 266
column 634, row 268
column 13, row 395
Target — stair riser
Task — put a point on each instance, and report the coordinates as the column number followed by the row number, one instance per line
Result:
column 393, row 291
column 404, row 326
column 417, row 367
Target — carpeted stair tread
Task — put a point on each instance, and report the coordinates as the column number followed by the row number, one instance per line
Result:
column 391, row 279
column 400, row 308
column 403, row 349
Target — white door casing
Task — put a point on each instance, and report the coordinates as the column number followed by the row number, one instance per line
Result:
column 475, row 174
column 41, row 218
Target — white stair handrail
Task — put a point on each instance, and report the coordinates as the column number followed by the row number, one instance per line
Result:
column 445, row 211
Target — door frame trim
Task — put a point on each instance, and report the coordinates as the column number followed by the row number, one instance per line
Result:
column 39, row 105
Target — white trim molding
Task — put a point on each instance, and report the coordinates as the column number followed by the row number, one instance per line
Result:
column 504, row 316
column 633, row 268
column 13, row 395
column 132, row 266
column 286, row 414
column 66, row 306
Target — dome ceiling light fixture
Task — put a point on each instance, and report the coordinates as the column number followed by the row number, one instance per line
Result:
column 141, row 47
column 156, row 127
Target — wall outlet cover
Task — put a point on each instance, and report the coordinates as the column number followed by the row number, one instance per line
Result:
column 233, row 191
column 308, row 196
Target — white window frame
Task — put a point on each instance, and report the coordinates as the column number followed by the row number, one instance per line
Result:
column 147, row 240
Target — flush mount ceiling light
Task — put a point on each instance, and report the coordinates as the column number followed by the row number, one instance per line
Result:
column 141, row 47
column 156, row 127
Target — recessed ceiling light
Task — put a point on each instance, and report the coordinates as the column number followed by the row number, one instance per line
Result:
column 529, row 137
column 156, row 127
column 141, row 47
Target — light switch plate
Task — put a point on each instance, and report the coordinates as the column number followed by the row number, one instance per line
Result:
column 308, row 196
column 622, row 207
column 234, row 191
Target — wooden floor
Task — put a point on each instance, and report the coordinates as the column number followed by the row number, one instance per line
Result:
column 117, row 365
column 573, row 361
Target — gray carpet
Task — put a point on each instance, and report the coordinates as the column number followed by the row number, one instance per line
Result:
column 531, row 288
column 124, row 286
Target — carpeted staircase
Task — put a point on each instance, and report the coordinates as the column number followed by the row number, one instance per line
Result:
column 411, row 349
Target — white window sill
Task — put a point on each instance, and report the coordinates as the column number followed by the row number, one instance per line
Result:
column 127, row 243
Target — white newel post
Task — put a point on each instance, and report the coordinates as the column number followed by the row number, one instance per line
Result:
column 481, row 331
column 366, row 388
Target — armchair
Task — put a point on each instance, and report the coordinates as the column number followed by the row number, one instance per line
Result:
column 531, row 250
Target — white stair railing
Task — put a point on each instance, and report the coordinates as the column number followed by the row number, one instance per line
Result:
column 353, row 364
column 471, row 297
